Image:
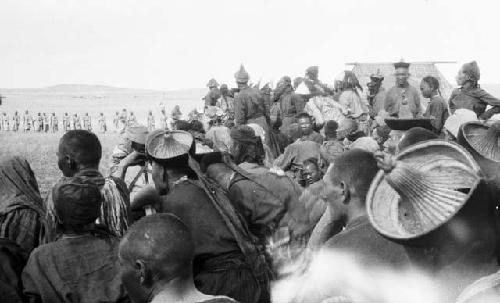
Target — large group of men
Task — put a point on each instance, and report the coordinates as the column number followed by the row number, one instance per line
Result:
column 220, row 206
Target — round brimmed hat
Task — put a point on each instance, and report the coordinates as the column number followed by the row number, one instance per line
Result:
column 136, row 133
column 165, row 144
column 420, row 189
column 484, row 139
column 406, row 124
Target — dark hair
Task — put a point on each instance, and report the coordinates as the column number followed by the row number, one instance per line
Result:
column 251, row 153
column 313, row 161
column 415, row 135
column 83, row 146
column 433, row 83
column 356, row 168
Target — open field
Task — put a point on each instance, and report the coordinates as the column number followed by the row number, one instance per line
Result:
column 40, row 151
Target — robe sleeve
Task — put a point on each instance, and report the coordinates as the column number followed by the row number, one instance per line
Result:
column 239, row 111
column 436, row 109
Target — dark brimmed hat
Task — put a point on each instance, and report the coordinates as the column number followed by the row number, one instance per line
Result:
column 401, row 64
column 421, row 189
column 406, row 124
column 166, row 144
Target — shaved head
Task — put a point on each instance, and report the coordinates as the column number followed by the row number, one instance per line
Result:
column 163, row 243
column 357, row 168
column 81, row 145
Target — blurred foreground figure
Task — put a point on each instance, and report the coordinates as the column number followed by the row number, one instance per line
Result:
column 226, row 259
column 79, row 155
column 12, row 261
column 22, row 212
column 156, row 257
column 82, row 265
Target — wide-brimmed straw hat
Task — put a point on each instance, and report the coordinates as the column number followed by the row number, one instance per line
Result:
column 420, row 189
column 483, row 138
column 168, row 144
column 406, row 124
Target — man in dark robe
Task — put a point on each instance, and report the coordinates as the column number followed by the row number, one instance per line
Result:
column 376, row 94
column 79, row 155
column 222, row 264
column 213, row 94
column 345, row 187
column 249, row 105
column 403, row 100
column 290, row 104
column 156, row 258
column 470, row 96
column 82, row 265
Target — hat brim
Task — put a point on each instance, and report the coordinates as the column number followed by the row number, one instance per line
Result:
column 475, row 134
column 406, row 124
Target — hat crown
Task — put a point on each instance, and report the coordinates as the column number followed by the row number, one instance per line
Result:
column 163, row 145
column 242, row 75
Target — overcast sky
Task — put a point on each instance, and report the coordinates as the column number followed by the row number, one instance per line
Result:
column 182, row 44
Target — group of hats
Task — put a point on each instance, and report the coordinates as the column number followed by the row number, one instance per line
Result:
column 426, row 185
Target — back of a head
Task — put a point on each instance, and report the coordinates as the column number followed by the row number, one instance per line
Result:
column 77, row 202
column 414, row 136
column 356, row 168
column 163, row 242
column 82, row 145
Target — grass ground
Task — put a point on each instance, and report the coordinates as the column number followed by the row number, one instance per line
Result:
column 40, row 151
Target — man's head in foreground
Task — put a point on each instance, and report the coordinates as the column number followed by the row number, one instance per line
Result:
column 156, row 254
column 347, row 182
column 78, row 150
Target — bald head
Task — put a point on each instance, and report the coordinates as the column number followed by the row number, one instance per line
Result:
column 163, row 243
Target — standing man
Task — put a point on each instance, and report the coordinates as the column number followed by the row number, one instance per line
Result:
column 403, row 100
column 66, row 122
column 151, row 121
column 76, row 122
column 87, row 122
column 376, row 94
column 290, row 104
column 213, row 94
column 102, row 123
column 226, row 102
column 132, row 120
column 5, row 122
column 123, row 120
column 249, row 106
column 54, row 123
column 15, row 122
column 27, row 121
column 116, row 120
column 46, row 122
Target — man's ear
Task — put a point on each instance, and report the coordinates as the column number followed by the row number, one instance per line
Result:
column 144, row 273
column 346, row 193
column 70, row 162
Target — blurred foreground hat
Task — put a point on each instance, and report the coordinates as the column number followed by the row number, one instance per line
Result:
column 484, row 139
column 241, row 76
column 167, row 144
column 366, row 143
column 406, row 124
column 76, row 201
column 420, row 189
column 461, row 116
column 212, row 83
column 136, row 133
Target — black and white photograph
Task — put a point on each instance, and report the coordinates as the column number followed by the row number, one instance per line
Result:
column 265, row 151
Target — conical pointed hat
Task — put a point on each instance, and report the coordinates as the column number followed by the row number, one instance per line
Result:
column 164, row 144
column 421, row 189
column 242, row 75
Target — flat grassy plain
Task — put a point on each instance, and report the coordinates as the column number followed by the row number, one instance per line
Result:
column 40, row 151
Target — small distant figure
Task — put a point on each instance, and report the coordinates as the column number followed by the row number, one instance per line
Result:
column 132, row 120
column 164, row 118
column 66, row 122
column 5, row 122
column 213, row 94
column 123, row 120
column 87, row 122
column 102, row 123
column 54, row 123
column 116, row 121
column 16, row 119
column 76, row 122
column 151, row 121
column 176, row 116
column 27, row 122
column 46, row 122
column 39, row 123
